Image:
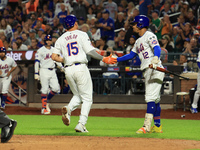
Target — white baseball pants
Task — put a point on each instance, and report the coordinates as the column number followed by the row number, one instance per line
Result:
column 80, row 82
column 49, row 78
column 197, row 92
column 153, row 84
column 4, row 84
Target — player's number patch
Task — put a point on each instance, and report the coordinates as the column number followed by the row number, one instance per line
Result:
column 145, row 55
column 72, row 49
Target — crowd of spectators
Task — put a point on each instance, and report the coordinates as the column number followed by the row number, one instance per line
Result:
column 24, row 24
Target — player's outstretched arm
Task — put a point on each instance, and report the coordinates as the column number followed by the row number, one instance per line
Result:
column 95, row 55
column 57, row 58
column 126, row 57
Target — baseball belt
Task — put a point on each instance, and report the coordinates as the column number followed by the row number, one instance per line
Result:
column 72, row 64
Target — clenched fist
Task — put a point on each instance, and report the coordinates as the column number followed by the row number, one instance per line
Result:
column 37, row 77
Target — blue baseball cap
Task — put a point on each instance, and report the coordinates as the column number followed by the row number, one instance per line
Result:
column 105, row 11
column 133, row 36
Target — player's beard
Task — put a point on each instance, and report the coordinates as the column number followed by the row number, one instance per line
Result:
column 3, row 57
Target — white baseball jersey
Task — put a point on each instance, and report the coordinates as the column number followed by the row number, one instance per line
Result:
column 73, row 46
column 144, row 48
column 6, row 65
column 47, row 77
column 44, row 56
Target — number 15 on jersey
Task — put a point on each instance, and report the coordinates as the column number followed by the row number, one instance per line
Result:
column 72, row 48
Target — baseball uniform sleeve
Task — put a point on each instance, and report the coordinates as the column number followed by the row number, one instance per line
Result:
column 87, row 45
column 152, row 40
column 57, row 48
column 37, row 62
column 134, row 48
column 14, row 64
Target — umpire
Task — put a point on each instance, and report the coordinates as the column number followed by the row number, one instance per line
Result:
column 7, row 126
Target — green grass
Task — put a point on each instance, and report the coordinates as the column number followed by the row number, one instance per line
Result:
column 105, row 126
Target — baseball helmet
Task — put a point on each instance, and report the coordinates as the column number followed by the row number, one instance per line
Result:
column 141, row 21
column 3, row 49
column 47, row 38
column 70, row 21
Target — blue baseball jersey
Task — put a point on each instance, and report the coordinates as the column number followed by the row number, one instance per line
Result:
column 143, row 8
column 110, row 34
column 62, row 15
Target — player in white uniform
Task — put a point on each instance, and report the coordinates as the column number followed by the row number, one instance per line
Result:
column 194, row 107
column 7, row 66
column 45, row 72
column 148, row 50
column 74, row 45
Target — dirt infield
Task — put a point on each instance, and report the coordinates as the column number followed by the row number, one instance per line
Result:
column 27, row 142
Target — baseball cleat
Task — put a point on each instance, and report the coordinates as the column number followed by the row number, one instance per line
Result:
column 7, row 131
column 3, row 105
column 156, row 129
column 193, row 110
column 44, row 111
column 141, row 131
column 48, row 107
column 81, row 128
column 66, row 115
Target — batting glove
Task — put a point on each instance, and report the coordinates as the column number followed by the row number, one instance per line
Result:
column 109, row 59
column 155, row 60
column 37, row 77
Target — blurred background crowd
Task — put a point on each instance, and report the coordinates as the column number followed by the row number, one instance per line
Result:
column 176, row 23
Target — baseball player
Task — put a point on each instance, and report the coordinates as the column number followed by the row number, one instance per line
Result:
column 148, row 50
column 7, row 126
column 74, row 45
column 7, row 66
column 45, row 72
column 194, row 107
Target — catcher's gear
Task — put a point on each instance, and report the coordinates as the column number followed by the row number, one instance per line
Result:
column 3, row 49
column 141, row 20
column 70, row 21
column 37, row 77
column 47, row 38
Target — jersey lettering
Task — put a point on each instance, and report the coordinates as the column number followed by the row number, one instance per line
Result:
column 145, row 55
column 47, row 56
column 72, row 48
column 7, row 70
column 140, row 49
column 4, row 67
